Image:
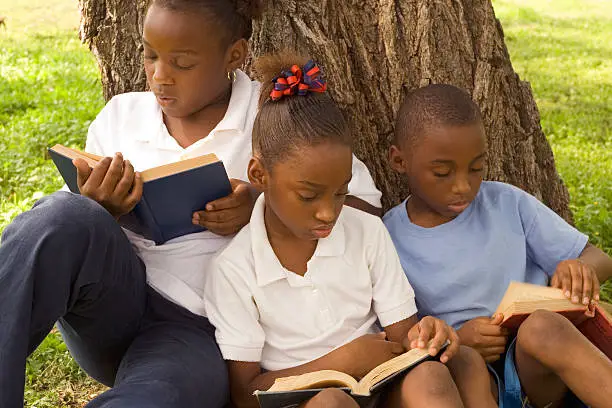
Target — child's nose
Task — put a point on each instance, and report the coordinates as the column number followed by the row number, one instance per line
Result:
column 461, row 186
column 161, row 74
column 326, row 212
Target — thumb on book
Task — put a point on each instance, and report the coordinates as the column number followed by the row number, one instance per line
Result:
column 497, row 318
column 83, row 171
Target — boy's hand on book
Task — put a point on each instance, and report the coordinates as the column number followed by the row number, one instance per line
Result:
column 485, row 335
column 112, row 183
column 367, row 352
column 227, row 215
column 578, row 281
column 436, row 330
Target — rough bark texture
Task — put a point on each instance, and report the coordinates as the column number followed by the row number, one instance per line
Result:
column 113, row 31
column 373, row 52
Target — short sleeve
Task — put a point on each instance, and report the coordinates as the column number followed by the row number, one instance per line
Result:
column 393, row 296
column 362, row 185
column 99, row 130
column 230, row 308
column 550, row 239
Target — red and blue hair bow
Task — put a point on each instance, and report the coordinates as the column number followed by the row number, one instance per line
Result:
column 298, row 82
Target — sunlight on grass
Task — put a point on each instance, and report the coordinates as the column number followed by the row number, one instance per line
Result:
column 563, row 49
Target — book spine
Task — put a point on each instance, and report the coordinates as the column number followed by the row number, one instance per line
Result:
column 145, row 215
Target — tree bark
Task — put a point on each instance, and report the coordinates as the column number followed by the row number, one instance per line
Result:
column 373, row 52
column 113, row 31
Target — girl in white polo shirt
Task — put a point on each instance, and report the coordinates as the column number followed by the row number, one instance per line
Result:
column 302, row 286
column 130, row 311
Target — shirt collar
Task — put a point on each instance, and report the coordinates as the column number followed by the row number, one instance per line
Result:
column 268, row 268
column 234, row 120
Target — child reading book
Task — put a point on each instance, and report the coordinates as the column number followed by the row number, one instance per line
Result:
column 461, row 240
column 130, row 310
column 301, row 288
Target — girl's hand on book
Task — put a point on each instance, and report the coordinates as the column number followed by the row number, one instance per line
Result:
column 367, row 352
column 112, row 183
column 227, row 215
column 485, row 335
column 436, row 330
column 578, row 281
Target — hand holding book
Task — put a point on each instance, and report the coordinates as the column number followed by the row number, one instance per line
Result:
column 485, row 335
column 578, row 281
column 227, row 215
column 112, row 183
column 434, row 334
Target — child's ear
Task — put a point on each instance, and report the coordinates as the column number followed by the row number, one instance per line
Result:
column 397, row 160
column 258, row 176
column 237, row 54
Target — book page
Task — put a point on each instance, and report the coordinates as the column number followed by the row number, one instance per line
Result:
column 390, row 367
column 316, row 379
column 90, row 158
column 518, row 292
column 177, row 167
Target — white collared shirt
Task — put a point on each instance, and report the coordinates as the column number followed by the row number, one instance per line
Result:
column 267, row 314
column 132, row 124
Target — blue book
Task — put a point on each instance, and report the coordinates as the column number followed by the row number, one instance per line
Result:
column 171, row 193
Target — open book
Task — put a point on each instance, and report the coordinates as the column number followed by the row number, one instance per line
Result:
column 522, row 299
column 171, row 193
column 291, row 391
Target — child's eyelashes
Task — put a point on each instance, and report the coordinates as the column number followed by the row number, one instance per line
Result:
column 441, row 175
column 478, row 170
column 307, row 196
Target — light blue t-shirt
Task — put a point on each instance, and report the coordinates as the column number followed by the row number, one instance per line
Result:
column 460, row 270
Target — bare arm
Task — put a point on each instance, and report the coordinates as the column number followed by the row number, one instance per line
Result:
column 599, row 261
column 246, row 378
column 356, row 359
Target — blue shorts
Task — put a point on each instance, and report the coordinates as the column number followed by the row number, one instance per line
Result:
column 511, row 394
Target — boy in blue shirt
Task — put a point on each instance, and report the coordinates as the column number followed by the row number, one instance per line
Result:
column 462, row 240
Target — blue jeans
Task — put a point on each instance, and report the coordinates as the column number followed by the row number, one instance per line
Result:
column 511, row 393
column 67, row 260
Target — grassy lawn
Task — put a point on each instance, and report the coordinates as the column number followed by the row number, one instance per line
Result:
column 50, row 91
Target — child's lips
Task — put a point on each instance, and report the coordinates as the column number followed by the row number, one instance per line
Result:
column 458, row 206
column 165, row 100
column 322, row 232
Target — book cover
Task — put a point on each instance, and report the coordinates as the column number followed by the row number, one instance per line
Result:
column 598, row 330
column 171, row 193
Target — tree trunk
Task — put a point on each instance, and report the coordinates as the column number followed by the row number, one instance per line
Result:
column 113, row 31
column 373, row 52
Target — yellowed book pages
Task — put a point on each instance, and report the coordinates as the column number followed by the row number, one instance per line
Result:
column 149, row 174
column 316, row 379
column 91, row 159
column 331, row 378
column 523, row 298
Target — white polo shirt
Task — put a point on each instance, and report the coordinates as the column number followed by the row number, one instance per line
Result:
column 267, row 314
column 132, row 124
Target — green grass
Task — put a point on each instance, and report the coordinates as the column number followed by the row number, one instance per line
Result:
column 50, row 91
column 563, row 49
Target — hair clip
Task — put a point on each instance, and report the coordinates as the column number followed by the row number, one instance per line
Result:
column 298, row 82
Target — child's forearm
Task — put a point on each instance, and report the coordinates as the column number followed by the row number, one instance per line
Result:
column 242, row 394
column 598, row 260
column 398, row 332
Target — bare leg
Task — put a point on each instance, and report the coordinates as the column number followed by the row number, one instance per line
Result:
column 472, row 379
column 331, row 398
column 552, row 355
column 430, row 385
